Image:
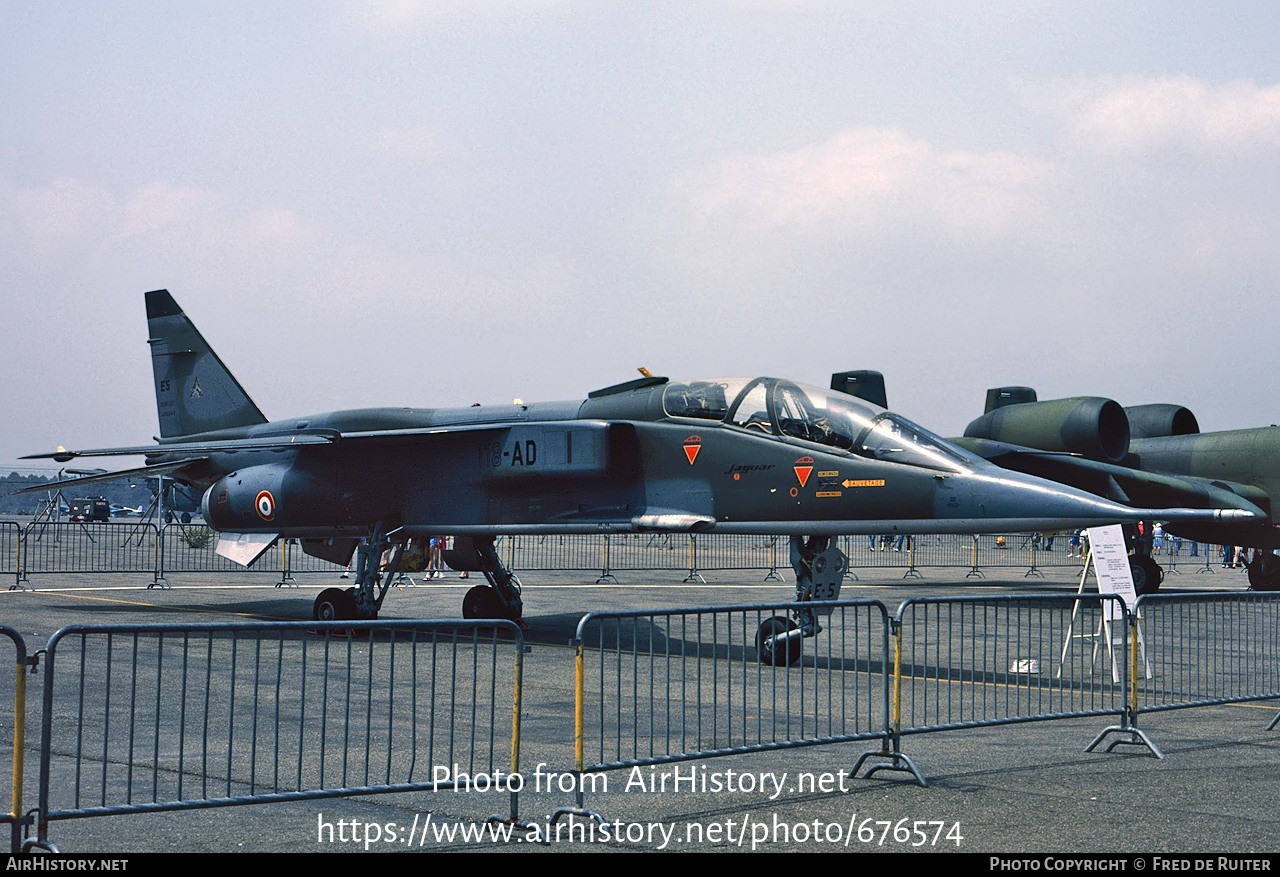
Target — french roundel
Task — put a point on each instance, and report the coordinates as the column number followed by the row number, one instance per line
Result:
column 265, row 505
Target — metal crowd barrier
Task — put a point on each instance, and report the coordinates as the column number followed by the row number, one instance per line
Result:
column 15, row 696
column 11, row 552
column 693, row 554
column 62, row 547
column 679, row 684
column 1188, row 650
column 974, row 662
column 140, row 547
column 177, row 717
column 683, row 684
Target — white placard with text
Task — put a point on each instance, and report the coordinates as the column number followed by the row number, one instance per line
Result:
column 1111, row 565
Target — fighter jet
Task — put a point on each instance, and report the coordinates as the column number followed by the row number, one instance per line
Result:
column 177, row 500
column 739, row 455
column 1144, row 456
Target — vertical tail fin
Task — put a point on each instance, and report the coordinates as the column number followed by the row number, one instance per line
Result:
column 195, row 392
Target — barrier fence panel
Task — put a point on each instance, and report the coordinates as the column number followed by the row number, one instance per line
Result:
column 90, row 547
column 689, row 554
column 672, row 553
column 741, row 552
column 1196, row 649
column 554, row 552
column 679, row 684
column 176, row 548
column 13, row 711
column 11, row 552
column 193, row 548
column 966, row 662
column 171, row 717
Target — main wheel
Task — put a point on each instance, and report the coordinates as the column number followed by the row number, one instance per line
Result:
column 1147, row 574
column 779, row 654
column 1264, row 572
column 334, row 604
column 482, row 601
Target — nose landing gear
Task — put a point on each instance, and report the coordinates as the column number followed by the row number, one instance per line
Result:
column 820, row 568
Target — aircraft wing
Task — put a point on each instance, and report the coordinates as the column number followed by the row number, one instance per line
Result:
column 258, row 443
column 118, row 475
column 302, row 438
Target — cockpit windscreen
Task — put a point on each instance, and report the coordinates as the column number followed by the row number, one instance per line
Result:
column 786, row 409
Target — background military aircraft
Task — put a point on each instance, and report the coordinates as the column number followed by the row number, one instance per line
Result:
column 742, row 455
column 179, row 501
column 1146, row 456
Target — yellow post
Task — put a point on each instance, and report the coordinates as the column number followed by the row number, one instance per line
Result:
column 1133, row 665
column 515, row 716
column 19, row 727
column 578, row 697
column 897, row 680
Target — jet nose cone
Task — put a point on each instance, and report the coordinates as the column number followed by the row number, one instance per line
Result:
column 997, row 499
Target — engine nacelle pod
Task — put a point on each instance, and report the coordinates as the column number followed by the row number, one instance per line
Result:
column 1091, row 426
column 270, row 498
column 1160, row 421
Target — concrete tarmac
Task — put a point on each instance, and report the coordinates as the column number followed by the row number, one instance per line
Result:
column 1017, row 789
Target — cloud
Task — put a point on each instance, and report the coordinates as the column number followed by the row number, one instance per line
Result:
column 75, row 235
column 867, row 179
column 1180, row 112
column 161, row 205
column 48, row 219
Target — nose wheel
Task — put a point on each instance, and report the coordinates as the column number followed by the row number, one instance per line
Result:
column 776, row 644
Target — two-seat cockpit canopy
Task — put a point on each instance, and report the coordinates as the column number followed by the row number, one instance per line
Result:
column 841, row 423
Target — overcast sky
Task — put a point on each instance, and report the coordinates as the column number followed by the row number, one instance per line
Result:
column 438, row 202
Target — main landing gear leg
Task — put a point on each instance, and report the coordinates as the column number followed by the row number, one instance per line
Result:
column 1147, row 573
column 363, row 601
column 820, row 569
column 1264, row 571
column 501, row 597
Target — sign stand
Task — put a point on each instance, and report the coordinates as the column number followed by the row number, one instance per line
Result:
column 1109, row 560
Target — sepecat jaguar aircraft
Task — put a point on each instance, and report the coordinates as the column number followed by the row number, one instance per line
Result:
column 743, row 455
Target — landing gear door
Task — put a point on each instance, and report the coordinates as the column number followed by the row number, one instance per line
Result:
column 820, row 568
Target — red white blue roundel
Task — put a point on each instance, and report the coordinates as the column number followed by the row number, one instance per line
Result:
column 265, row 505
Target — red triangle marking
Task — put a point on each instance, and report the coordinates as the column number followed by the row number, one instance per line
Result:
column 691, row 451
